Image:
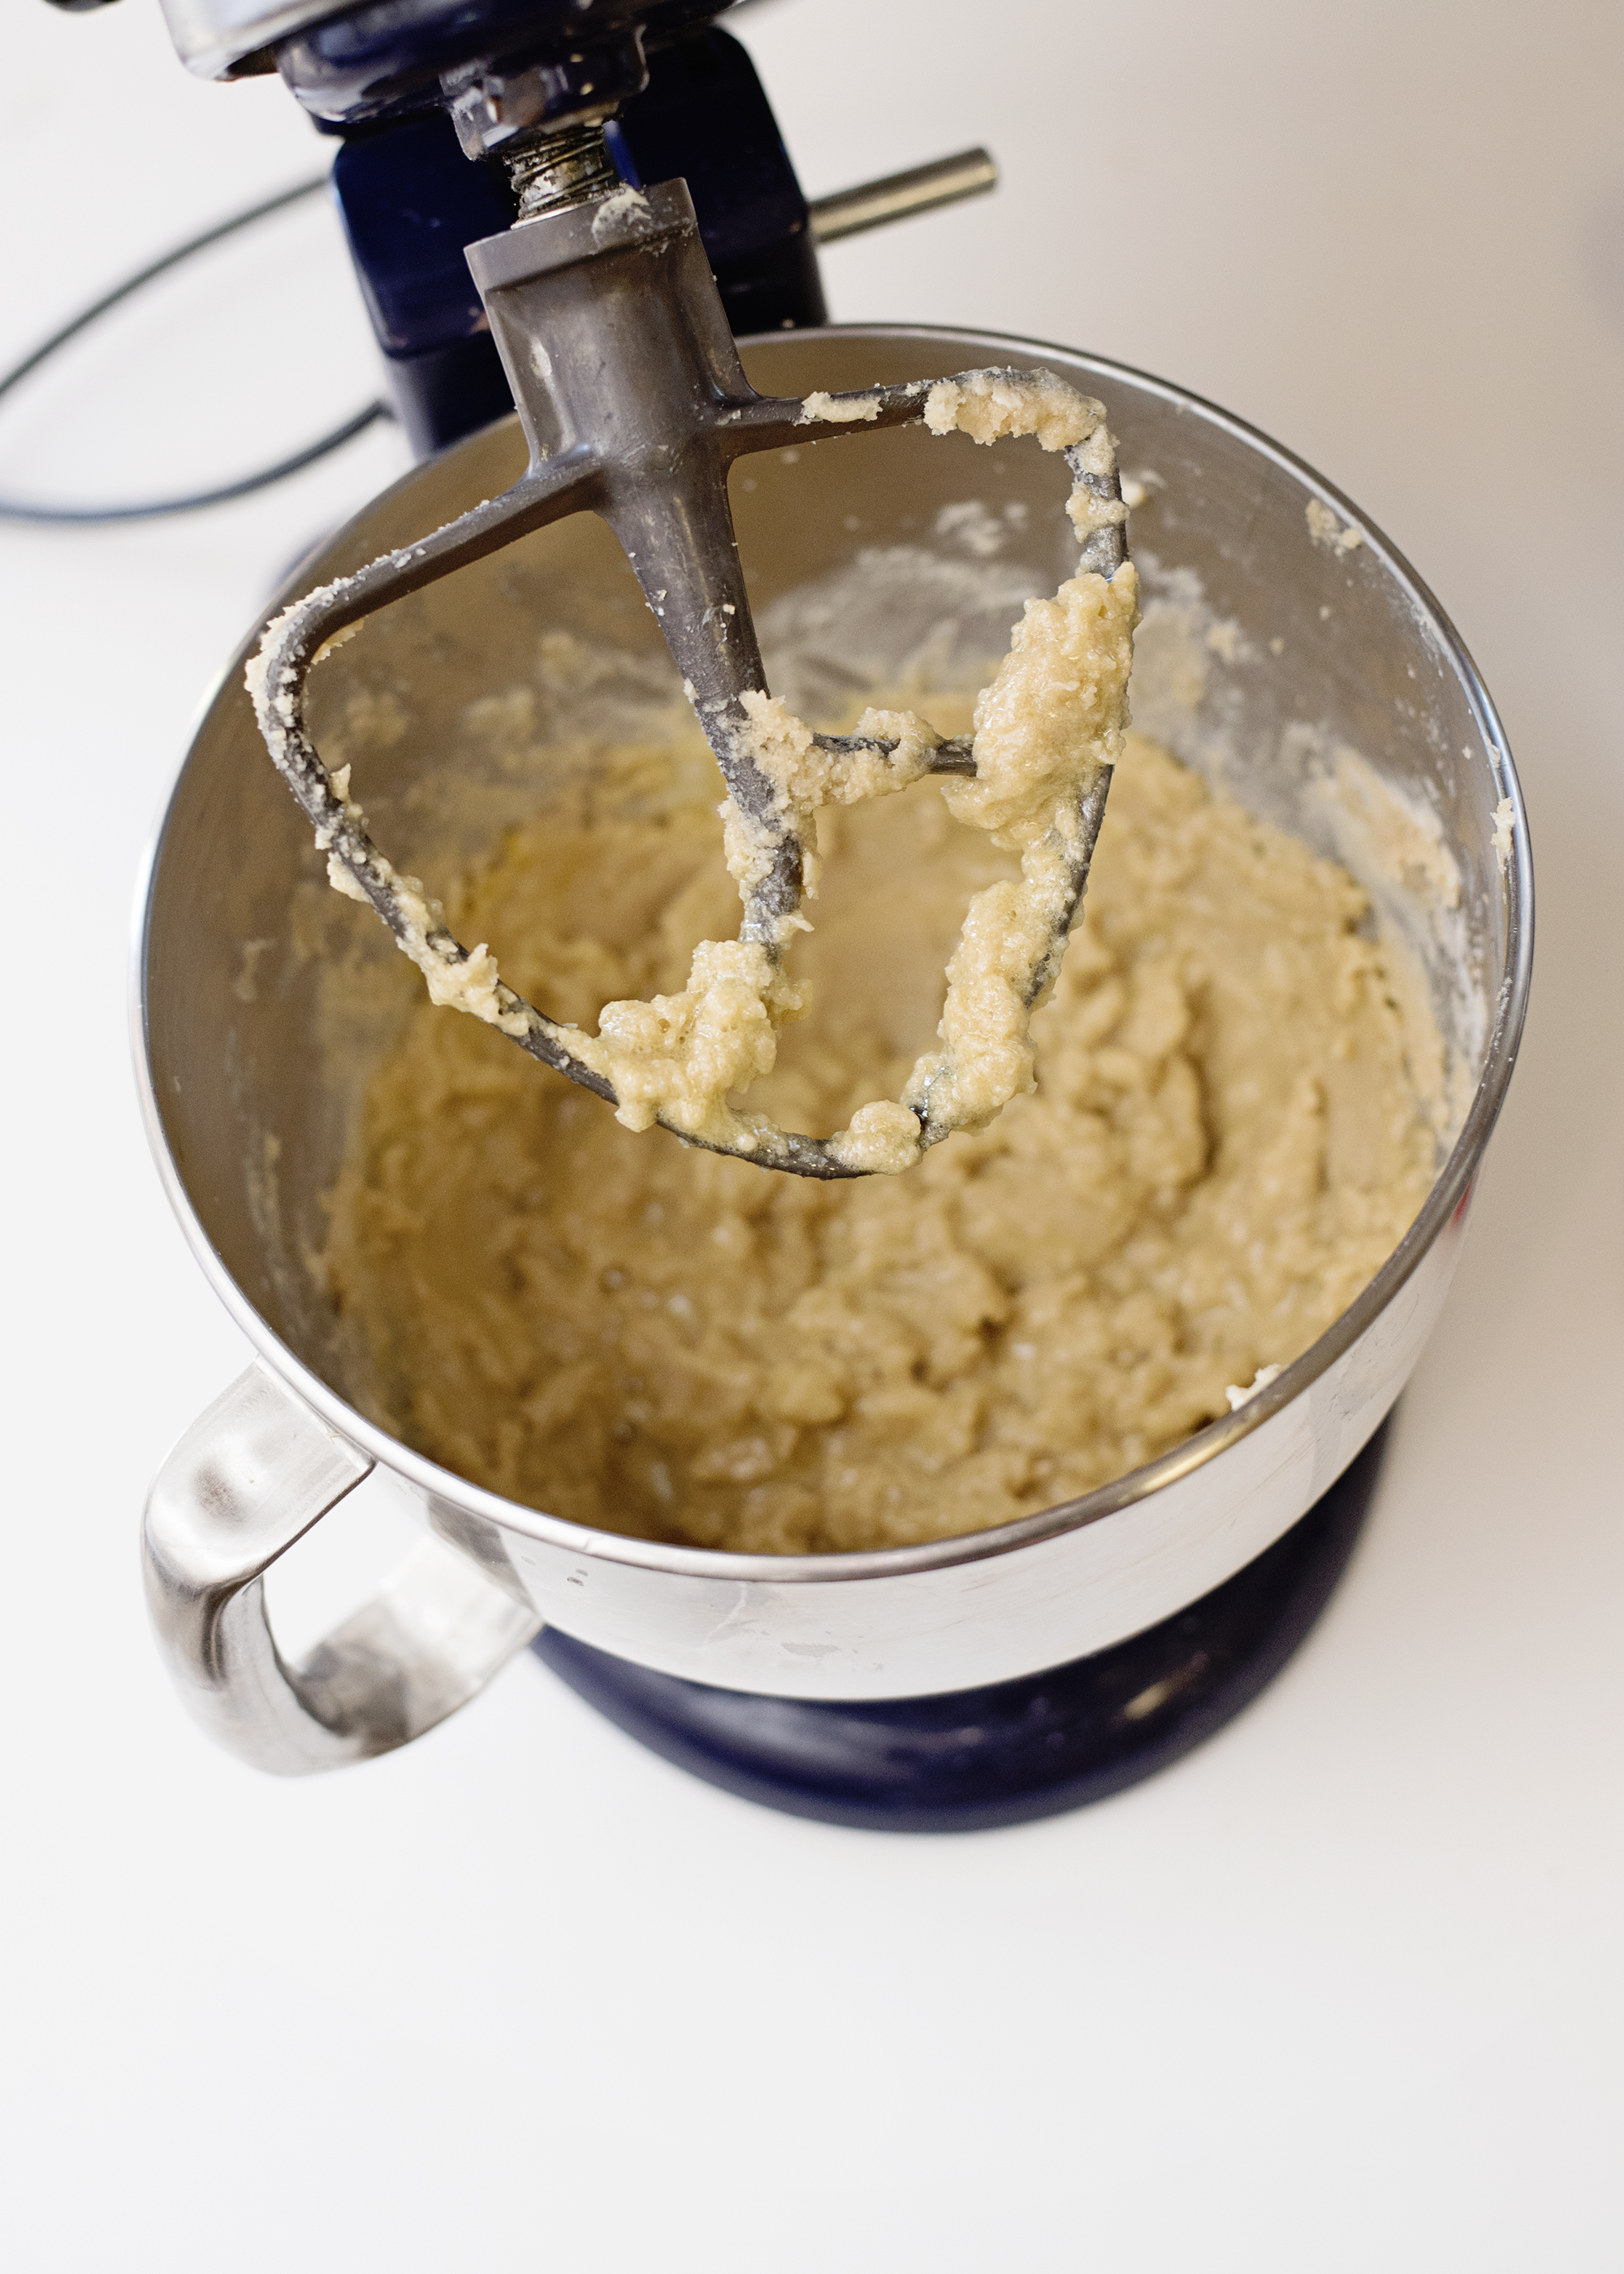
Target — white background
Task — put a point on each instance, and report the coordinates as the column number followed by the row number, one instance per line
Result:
column 1340, row 1990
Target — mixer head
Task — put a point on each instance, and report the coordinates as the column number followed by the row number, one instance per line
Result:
column 511, row 65
column 428, row 96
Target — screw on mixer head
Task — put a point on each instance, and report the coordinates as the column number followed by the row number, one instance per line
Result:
column 635, row 405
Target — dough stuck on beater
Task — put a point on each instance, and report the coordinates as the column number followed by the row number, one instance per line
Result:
column 1053, row 714
column 1051, row 720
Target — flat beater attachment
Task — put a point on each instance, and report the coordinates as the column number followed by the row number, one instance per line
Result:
column 633, row 401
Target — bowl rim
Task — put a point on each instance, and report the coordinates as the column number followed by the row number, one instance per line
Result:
column 1450, row 1191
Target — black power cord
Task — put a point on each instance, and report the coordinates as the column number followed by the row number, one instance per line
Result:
column 19, row 509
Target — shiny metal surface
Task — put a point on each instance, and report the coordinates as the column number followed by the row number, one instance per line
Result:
column 213, row 36
column 548, row 172
column 248, row 1479
column 249, row 1086
column 944, row 182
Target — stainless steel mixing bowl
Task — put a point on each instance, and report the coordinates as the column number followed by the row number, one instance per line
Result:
column 1272, row 644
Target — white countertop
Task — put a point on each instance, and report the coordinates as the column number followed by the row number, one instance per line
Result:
column 1341, row 1990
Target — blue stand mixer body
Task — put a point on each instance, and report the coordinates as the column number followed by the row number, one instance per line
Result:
column 411, row 201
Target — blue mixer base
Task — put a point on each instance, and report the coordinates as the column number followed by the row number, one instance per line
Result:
column 1015, row 1750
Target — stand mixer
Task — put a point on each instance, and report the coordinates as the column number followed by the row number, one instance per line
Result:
column 547, row 136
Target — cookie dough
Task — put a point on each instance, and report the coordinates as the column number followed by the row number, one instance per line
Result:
column 1225, row 1141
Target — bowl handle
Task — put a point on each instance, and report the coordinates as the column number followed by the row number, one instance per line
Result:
column 250, row 1476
